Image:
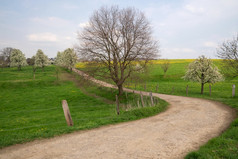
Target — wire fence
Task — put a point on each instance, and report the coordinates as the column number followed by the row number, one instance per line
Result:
column 38, row 110
column 155, row 88
column 85, row 116
column 221, row 89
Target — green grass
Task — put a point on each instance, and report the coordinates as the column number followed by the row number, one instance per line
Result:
column 31, row 108
column 224, row 146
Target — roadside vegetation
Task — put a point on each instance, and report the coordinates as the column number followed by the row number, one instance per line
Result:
column 224, row 146
column 30, row 107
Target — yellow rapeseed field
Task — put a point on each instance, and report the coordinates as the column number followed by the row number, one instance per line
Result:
column 160, row 61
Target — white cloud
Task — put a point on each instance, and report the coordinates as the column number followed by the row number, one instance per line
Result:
column 210, row 44
column 51, row 21
column 194, row 9
column 68, row 38
column 178, row 53
column 182, row 50
column 188, row 28
column 83, row 25
column 70, row 6
column 42, row 37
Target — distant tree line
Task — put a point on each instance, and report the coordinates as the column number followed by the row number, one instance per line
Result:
column 11, row 57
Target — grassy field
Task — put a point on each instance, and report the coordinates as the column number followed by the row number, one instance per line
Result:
column 31, row 108
column 224, row 146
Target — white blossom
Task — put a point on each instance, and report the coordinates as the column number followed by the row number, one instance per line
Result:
column 41, row 60
column 67, row 59
column 59, row 59
column 17, row 58
column 203, row 70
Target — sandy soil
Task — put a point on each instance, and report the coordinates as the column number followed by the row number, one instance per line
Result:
column 185, row 126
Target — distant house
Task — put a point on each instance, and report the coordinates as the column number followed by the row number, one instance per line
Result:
column 51, row 61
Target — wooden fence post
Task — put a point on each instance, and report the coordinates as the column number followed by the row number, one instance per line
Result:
column 138, row 103
column 157, row 100
column 151, row 99
column 233, row 90
column 117, row 105
column 142, row 101
column 210, row 89
column 187, row 90
column 67, row 113
column 172, row 90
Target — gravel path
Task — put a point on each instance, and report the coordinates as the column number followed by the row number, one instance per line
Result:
column 185, row 126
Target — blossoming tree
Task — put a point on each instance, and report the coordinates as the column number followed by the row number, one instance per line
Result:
column 203, row 70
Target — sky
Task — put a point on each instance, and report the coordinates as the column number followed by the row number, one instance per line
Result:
column 185, row 29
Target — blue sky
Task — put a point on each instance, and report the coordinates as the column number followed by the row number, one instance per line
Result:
column 184, row 28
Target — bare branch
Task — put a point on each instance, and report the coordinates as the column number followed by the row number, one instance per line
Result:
column 228, row 51
column 118, row 39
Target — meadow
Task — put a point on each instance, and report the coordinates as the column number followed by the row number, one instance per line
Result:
column 153, row 79
column 31, row 108
column 224, row 146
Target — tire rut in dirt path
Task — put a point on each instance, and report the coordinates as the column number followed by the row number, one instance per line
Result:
column 185, row 126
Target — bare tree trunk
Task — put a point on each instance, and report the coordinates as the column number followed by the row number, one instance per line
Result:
column 34, row 71
column 202, row 88
column 120, row 89
column 202, row 84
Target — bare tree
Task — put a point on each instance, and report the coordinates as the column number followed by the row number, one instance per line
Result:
column 228, row 51
column 2, row 61
column 115, row 41
column 5, row 54
column 165, row 66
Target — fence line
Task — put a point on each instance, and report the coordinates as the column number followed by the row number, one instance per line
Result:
column 36, row 110
column 88, row 119
column 168, row 88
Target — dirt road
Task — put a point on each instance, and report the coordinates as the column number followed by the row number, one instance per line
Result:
column 185, row 126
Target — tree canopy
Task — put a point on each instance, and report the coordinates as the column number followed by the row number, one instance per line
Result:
column 115, row 41
column 17, row 58
column 41, row 60
column 70, row 58
column 203, row 70
column 67, row 59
